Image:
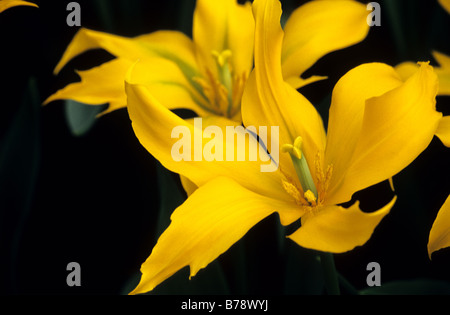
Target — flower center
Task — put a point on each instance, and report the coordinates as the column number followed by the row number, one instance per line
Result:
column 223, row 89
column 314, row 190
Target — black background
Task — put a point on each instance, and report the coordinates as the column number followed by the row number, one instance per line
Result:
column 94, row 199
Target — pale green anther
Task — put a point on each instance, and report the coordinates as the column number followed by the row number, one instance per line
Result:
column 300, row 165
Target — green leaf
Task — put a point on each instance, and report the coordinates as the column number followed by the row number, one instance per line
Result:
column 170, row 196
column 81, row 117
column 304, row 273
column 421, row 286
column 105, row 14
column 19, row 165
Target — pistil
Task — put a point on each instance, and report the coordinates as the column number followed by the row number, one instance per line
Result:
column 302, row 169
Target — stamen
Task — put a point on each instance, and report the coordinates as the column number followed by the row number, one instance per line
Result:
column 323, row 177
column 223, row 88
column 236, row 92
column 328, row 176
column 292, row 191
column 309, row 196
column 214, row 91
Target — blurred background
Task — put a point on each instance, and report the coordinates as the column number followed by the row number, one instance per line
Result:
column 78, row 189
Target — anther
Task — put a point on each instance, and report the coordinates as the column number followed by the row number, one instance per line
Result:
column 309, row 196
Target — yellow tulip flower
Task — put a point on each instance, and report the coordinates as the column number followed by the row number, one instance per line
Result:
column 440, row 233
column 378, row 124
column 6, row 4
column 445, row 4
column 406, row 69
column 207, row 73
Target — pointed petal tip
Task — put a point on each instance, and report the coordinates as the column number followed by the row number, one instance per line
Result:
column 80, row 43
column 139, row 290
column 429, row 78
column 338, row 230
column 318, row 28
column 47, row 100
column 426, row 68
column 439, row 236
column 429, row 253
column 129, row 74
column 443, row 131
column 6, row 4
column 445, row 4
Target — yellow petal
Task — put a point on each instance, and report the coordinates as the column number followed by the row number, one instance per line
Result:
column 397, row 127
column 347, row 112
column 241, row 35
column 167, row 83
column 443, row 72
column 210, row 26
column 212, row 219
column 445, row 4
column 154, row 124
column 224, row 24
column 106, row 84
column 407, row 69
column 99, row 85
column 6, row 4
column 298, row 82
column 335, row 229
column 440, row 231
column 167, row 66
column 188, row 185
column 442, row 59
column 171, row 45
column 443, row 131
column 391, row 183
column 268, row 100
column 318, row 28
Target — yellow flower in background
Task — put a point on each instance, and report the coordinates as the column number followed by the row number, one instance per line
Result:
column 406, row 69
column 440, row 232
column 439, row 236
column 445, row 4
column 207, row 74
column 6, row 4
column 378, row 125
column 194, row 74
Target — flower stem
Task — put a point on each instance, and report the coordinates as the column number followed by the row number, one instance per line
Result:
column 329, row 273
column 347, row 286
